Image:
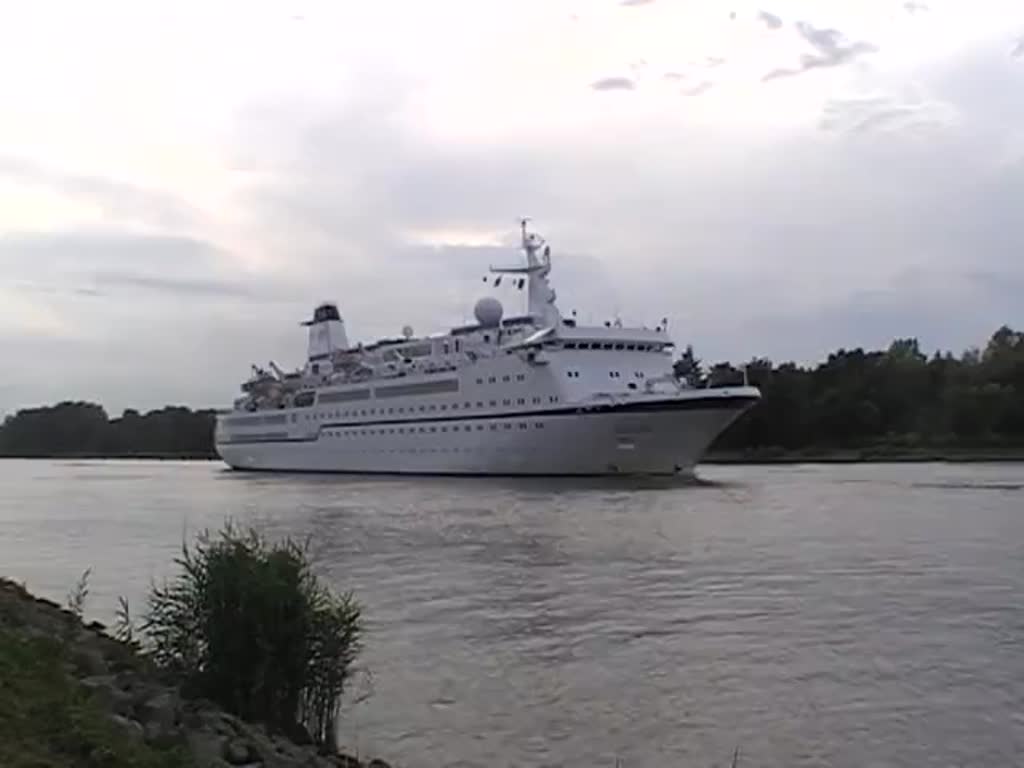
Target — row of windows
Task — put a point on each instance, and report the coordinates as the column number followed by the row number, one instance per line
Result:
column 494, row 379
column 356, row 412
column 611, row 374
column 492, row 426
column 610, row 345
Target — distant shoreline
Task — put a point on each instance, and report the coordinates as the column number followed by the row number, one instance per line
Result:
column 868, row 456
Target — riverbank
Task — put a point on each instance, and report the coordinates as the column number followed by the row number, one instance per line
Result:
column 73, row 695
column 866, row 456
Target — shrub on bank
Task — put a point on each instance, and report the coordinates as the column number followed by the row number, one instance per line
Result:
column 248, row 625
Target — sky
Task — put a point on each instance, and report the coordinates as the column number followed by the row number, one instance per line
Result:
column 180, row 183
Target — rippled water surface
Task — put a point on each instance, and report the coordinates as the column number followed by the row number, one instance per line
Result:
column 809, row 615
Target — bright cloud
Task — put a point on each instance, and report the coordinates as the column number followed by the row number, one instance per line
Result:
column 180, row 182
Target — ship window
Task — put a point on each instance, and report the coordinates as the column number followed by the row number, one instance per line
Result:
column 606, row 346
column 631, row 346
column 458, row 346
column 494, row 403
column 423, row 408
column 570, row 345
column 494, row 427
column 455, row 406
column 491, row 380
column 433, row 429
column 522, row 425
column 521, row 377
column 446, row 347
column 444, row 429
column 620, row 346
column 479, row 381
column 508, row 426
column 521, row 401
column 479, row 427
column 316, row 368
column 506, row 402
column 536, row 400
column 433, row 407
column 538, row 425
column 487, row 337
column 505, row 378
column 443, row 407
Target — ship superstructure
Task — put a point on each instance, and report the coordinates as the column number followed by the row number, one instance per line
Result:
column 535, row 394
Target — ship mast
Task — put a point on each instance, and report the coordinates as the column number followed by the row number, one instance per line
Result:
column 540, row 296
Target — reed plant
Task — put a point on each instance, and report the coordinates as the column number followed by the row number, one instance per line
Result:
column 246, row 623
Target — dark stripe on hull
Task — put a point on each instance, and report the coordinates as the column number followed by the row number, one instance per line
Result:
column 737, row 402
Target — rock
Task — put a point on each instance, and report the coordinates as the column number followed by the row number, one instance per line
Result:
column 346, row 761
column 160, row 736
column 161, row 710
column 378, row 763
column 238, row 752
column 131, row 727
column 205, row 749
column 104, row 690
column 89, row 661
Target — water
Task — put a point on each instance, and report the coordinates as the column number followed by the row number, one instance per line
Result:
column 810, row 615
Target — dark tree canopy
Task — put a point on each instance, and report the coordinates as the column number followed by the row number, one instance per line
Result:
column 896, row 399
column 83, row 429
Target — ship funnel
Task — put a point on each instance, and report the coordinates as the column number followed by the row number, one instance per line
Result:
column 326, row 332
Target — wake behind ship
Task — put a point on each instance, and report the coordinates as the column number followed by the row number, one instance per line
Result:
column 530, row 395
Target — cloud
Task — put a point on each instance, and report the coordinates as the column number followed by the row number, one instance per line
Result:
column 698, row 89
column 116, row 263
column 873, row 114
column 832, row 50
column 1018, row 49
column 844, row 217
column 635, row 3
column 915, row 7
column 770, row 20
column 613, row 84
column 119, row 200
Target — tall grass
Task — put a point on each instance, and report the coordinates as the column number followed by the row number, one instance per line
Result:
column 248, row 625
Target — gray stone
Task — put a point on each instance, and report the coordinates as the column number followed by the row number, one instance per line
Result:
column 160, row 736
column 239, row 752
column 131, row 727
column 104, row 690
column 89, row 661
column 161, row 710
column 205, row 749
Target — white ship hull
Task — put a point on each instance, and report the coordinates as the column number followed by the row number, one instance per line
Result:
column 536, row 394
column 664, row 437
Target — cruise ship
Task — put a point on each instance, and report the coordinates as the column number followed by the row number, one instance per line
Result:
column 534, row 394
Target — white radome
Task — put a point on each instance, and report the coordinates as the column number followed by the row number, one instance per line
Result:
column 532, row 394
column 488, row 312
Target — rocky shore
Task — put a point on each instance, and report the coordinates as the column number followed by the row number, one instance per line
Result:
column 95, row 696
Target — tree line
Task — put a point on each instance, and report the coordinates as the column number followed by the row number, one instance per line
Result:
column 897, row 400
column 81, row 429
column 894, row 401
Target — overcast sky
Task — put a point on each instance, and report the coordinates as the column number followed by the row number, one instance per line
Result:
column 181, row 182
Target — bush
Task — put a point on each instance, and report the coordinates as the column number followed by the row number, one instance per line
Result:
column 248, row 625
